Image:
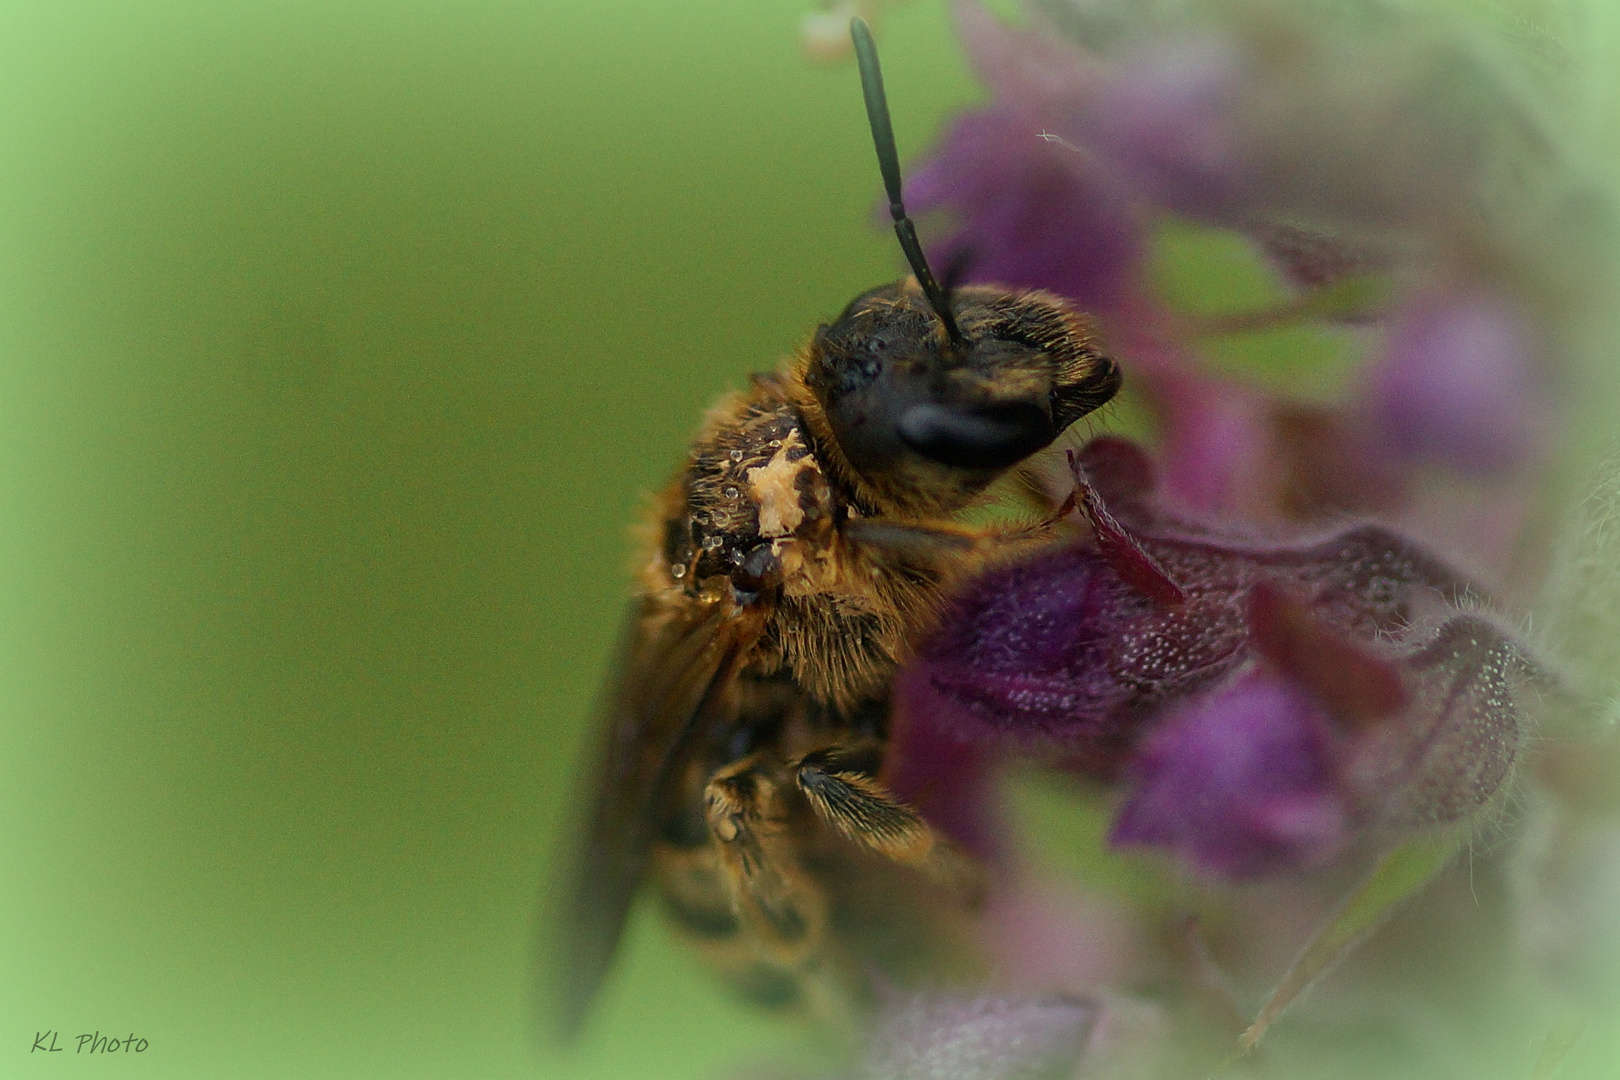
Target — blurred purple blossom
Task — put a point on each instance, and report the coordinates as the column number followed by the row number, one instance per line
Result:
column 1008, row 185
column 1457, row 382
column 983, row 1037
column 1239, row 781
column 1165, row 121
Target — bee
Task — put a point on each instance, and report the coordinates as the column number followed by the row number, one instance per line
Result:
column 807, row 544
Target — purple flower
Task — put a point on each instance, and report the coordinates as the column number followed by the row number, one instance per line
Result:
column 1298, row 696
column 1327, row 744
column 1259, row 649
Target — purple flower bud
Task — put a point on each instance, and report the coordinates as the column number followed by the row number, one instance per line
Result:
column 988, row 1037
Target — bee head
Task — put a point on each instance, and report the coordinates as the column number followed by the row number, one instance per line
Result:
column 930, row 392
column 910, row 406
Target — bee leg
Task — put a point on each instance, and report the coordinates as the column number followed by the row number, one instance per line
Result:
column 779, row 903
column 846, row 795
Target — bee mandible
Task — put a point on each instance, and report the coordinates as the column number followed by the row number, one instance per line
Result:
column 807, row 544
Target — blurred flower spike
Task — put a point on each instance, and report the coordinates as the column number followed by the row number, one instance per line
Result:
column 1314, row 632
column 1289, row 646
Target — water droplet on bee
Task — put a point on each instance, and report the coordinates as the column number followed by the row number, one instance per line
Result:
column 677, row 571
column 731, row 491
column 710, row 543
column 719, row 520
column 736, row 455
column 775, row 444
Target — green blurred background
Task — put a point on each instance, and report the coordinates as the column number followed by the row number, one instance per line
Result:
column 338, row 343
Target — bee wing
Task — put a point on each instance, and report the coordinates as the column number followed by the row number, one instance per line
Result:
column 663, row 682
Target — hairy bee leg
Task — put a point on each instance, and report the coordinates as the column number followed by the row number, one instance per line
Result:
column 848, row 797
column 841, row 787
column 910, row 545
column 1032, row 488
column 772, row 894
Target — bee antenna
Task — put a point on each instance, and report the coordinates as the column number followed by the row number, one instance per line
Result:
column 877, row 115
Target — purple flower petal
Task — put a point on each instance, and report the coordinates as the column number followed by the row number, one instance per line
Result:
column 1026, row 657
column 1238, row 782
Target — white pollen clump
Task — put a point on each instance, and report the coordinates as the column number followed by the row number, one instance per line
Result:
column 772, row 486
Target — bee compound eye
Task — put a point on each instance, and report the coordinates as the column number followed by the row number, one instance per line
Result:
column 979, row 438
